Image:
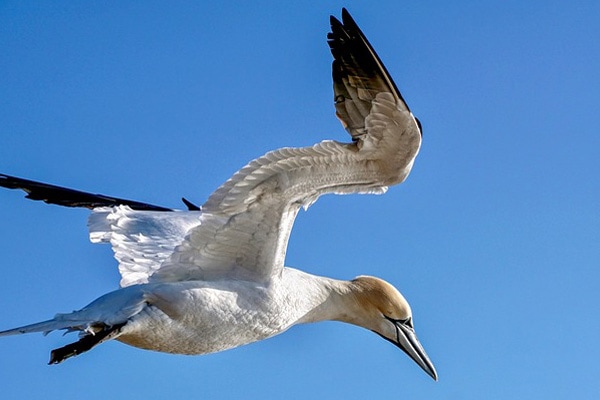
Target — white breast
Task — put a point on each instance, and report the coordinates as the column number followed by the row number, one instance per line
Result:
column 198, row 317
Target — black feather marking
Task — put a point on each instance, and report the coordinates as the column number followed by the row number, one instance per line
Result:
column 62, row 196
column 191, row 206
column 354, row 55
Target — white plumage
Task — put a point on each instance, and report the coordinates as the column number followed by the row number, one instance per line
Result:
column 196, row 282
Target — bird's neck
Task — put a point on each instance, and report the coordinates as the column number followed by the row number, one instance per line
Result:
column 327, row 299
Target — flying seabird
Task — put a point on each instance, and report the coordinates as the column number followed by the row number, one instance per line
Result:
column 212, row 278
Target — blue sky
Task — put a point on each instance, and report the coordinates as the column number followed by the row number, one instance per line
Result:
column 494, row 238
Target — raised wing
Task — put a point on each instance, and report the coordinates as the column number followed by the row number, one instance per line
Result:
column 243, row 229
column 246, row 223
column 358, row 75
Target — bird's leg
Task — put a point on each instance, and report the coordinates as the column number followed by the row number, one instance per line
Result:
column 85, row 343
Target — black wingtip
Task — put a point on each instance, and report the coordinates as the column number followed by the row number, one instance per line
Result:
column 335, row 23
column 349, row 22
column 347, row 34
column 8, row 182
column 346, row 17
column 190, row 206
column 52, row 194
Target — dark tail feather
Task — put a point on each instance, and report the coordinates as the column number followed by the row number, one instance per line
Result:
column 87, row 342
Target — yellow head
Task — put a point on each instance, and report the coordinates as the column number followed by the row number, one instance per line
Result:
column 381, row 308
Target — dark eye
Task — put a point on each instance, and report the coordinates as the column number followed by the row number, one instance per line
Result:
column 406, row 321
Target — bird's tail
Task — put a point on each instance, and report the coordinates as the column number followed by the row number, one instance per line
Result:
column 85, row 320
column 92, row 334
column 97, row 322
column 45, row 327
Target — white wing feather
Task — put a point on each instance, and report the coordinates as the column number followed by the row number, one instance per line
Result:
column 141, row 240
column 247, row 221
column 243, row 230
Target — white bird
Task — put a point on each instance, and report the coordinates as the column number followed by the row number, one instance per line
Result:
column 210, row 279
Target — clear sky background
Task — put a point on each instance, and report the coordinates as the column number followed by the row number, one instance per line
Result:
column 494, row 238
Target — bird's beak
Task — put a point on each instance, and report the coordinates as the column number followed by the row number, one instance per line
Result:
column 406, row 339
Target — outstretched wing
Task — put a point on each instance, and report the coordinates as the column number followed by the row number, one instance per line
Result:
column 142, row 235
column 243, row 229
column 246, row 223
column 62, row 196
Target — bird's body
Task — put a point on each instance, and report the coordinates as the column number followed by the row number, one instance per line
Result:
column 197, row 317
column 210, row 279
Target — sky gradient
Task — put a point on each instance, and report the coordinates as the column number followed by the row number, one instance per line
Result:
column 494, row 238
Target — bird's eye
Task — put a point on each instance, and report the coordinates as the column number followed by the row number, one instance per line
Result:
column 405, row 321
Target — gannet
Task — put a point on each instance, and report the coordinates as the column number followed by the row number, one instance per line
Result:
column 212, row 278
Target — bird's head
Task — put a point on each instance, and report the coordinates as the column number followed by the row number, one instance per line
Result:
column 383, row 310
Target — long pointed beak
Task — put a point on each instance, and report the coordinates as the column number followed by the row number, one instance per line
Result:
column 408, row 342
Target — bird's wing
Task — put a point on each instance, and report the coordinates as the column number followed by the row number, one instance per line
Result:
column 246, row 222
column 142, row 240
column 52, row 194
column 243, row 229
column 142, row 235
